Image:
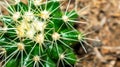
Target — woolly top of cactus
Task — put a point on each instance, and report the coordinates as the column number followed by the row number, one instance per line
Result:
column 44, row 14
column 38, row 34
column 65, row 18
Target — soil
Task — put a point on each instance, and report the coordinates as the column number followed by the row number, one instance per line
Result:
column 103, row 17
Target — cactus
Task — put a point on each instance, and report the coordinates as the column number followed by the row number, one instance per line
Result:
column 38, row 34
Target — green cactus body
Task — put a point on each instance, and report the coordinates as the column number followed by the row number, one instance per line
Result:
column 38, row 34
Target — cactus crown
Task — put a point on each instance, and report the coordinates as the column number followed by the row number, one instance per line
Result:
column 38, row 34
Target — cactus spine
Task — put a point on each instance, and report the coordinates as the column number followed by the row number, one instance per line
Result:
column 38, row 34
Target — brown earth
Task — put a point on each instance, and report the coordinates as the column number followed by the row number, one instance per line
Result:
column 103, row 17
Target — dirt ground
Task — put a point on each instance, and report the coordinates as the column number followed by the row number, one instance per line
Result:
column 103, row 20
column 103, row 17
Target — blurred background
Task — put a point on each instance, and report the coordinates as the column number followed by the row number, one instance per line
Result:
column 102, row 18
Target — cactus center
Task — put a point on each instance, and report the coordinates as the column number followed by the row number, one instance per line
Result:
column 65, row 18
column 62, row 56
column 39, row 38
column 20, row 46
column 16, row 16
column 56, row 36
column 39, row 26
column 20, row 31
column 28, row 16
column 30, row 33
column 36, row 58
column 44, row 14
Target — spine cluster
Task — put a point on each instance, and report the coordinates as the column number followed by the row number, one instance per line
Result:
column 38, row 34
